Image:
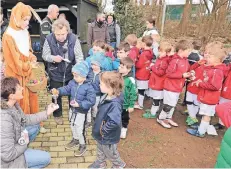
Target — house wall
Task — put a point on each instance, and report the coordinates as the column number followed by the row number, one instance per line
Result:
column 87, row 11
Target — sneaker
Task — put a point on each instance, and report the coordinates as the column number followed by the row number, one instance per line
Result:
column 195, row 132
column 123, row 134
column 42, row 130
column 148, row 115
column 195, row 126
column 163, row 123
column 72, row 144
column 192, row 121
column 188, row 119
column 97, row 164
column 171, row 122
column 218, row 126
column 81, row 151
column 137, row 106
column 58, row 120
column 119, row 166
column 88, row 125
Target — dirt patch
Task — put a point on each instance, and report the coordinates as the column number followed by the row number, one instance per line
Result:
column 150, row 145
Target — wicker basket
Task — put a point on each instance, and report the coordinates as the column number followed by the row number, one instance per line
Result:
column 37, row 80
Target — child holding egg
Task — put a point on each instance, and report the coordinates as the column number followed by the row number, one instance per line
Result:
column 82, row 99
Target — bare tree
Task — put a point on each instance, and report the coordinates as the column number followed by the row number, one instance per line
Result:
column 185, row 17
column 206, row 5
column 217, row 19
column 102, row 5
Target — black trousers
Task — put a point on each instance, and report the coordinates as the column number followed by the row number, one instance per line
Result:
column 185, row 94
column 59, row 111
column 125, row 118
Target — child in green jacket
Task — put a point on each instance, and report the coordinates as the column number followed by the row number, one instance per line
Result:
column 130, row 92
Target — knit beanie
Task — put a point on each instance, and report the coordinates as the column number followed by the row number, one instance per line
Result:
column 98, row 59
column 81, row 68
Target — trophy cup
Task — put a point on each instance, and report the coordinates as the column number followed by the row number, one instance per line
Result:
column 55, row 96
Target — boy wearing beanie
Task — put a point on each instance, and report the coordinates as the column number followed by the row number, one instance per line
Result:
column 82, row 99
column 93, row 78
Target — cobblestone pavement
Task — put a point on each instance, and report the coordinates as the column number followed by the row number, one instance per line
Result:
column 57, row 136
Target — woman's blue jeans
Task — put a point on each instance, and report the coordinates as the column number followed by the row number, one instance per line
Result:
column 36, row 158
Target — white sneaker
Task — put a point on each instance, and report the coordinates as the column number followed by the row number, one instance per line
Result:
column 42, row 130
column 163, row 123
column 123, row 133
column 174, row 124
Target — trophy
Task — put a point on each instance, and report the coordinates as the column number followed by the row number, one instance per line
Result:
column 55, row 95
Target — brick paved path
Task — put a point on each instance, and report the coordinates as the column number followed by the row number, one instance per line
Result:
column 59, row 135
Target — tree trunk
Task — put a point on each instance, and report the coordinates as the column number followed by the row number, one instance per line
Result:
column 217, row 18
column 202, row 10
column 159, row 16
column 185, row 17
column 223, row 11
column 215, row 4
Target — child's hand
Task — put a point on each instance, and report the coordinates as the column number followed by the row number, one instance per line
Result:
column 192, row 77
column 193, row 73
column 54, row 91
column 186, row 75
column 130, row 110
column 73, row 103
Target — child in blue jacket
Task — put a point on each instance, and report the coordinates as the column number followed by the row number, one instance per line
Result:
column 93, row 78
column 107, row 126
column 82, row 99
column 99, row 49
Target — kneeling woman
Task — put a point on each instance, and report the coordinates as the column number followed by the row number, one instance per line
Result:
column 18, row 129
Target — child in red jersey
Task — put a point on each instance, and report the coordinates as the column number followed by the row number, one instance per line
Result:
column 143, row 70
column 225, row 95
column 131, row 39
column 156, row 81
column 134, row 52
column 209, row 87
column 176, row 73
column 196, row 71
